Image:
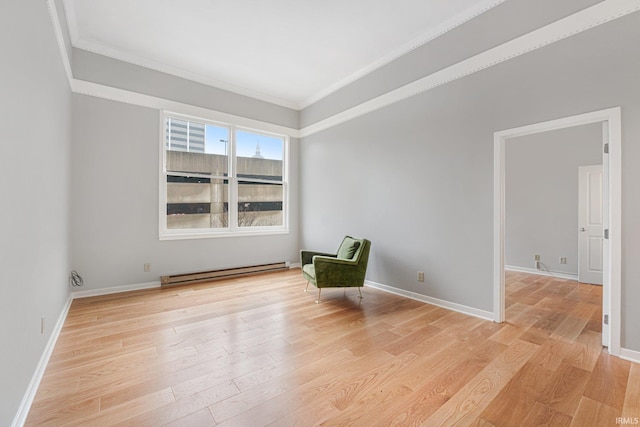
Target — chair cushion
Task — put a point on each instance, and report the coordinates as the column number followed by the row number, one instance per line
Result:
column 308, row 268
column 348, row 248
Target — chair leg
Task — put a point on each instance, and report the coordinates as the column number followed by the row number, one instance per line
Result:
column 359, row 291
column 318, row 300
column 307, row 288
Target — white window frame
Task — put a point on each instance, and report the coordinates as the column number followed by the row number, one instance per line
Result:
column 233, row 229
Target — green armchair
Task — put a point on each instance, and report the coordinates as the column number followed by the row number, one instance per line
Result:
column 346, row 268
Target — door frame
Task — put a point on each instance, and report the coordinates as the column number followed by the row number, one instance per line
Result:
column 612, row 204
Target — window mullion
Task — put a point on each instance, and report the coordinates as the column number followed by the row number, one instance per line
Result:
column 233, row 181
column 192, row 181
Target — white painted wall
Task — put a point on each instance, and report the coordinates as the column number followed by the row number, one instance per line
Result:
column 542, row 195
column 115, row 168
column 416, row 177
column 34, row 194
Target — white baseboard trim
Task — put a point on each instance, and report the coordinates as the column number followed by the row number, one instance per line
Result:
column 34, row 384
column 115, row 290
column 567, row 276
column 32, row 389
column 486, row 315
column 25, row 406
column 295, row 265
column 630, row 355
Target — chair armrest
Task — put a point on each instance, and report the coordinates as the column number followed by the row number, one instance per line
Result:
column 306, row 257
column 319, row 260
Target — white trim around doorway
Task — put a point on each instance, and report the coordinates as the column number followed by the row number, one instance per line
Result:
column 613, row 251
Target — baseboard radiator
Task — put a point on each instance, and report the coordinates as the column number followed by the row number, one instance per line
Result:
column 206, row 276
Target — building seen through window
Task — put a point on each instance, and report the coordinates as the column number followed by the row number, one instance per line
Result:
column 218, row 178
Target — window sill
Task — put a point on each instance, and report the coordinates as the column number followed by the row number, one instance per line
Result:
column 182, row 235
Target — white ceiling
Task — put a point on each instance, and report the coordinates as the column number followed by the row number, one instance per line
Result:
column 291, row 52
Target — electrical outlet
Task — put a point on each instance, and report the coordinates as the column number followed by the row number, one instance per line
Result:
column 563, row 260
column 420, row 276
column 536, row 257
column 147, row 267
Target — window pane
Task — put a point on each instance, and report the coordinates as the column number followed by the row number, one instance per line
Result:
column 259, row 156
column 194, row 202
column 183, row 135
column 219, row 178
column 196, row 147
column 259, row 204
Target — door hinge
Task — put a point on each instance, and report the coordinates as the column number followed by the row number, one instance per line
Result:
column 606, row 319
column 606, row 148
column 606, row 233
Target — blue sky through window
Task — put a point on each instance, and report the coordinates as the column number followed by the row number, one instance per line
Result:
column 216, row 140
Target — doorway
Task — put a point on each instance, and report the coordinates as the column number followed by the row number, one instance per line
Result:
column 590, row 225
column 611, row 262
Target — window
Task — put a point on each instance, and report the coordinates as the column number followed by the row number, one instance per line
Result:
column 220, row 179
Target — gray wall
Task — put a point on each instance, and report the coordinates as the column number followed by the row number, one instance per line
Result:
column 112, row 72
column 498, row 25
column 34, row 247
column 417, row 177
column 115, row 169
column 542, row 195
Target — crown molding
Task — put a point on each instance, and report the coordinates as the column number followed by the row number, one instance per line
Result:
column 97, row 48
column 70, row 14
column 406, row 48
column 601, row 13
column 83, row 87
column 586, row 19
column 129, row 97
column 57, row 30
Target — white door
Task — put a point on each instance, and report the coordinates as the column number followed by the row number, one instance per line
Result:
column 590, row 224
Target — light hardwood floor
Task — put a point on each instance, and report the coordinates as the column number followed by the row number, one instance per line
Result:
column 258, row 351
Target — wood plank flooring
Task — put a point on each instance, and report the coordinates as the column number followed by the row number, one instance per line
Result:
column 258, row 351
